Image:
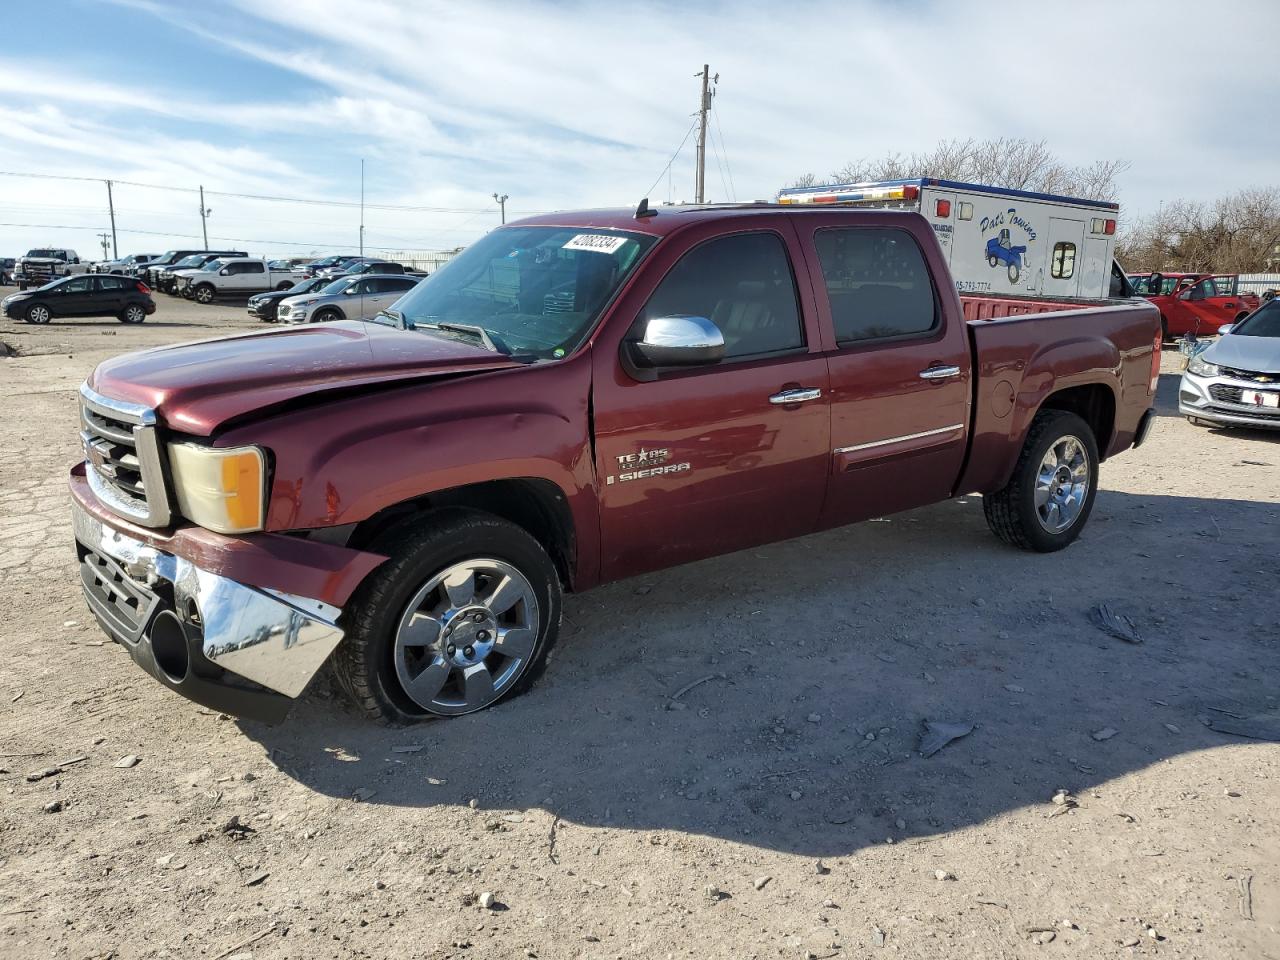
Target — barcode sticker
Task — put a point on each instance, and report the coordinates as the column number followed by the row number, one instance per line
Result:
column 595, row 242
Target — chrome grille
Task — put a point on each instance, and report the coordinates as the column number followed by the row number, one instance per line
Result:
column 122, row 457
column 1251, row 376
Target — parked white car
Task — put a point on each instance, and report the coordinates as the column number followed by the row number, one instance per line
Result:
column 347, row 298
column 236, row 277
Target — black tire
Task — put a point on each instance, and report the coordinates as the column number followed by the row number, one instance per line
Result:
column 324, row 316
column 1011, row 512
column 992, row 261
column 38, row 313
column 1164, row 330
column 364, row 661
column 133, row 313
column 284, row 286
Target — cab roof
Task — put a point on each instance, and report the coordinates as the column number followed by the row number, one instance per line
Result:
column 660, row 221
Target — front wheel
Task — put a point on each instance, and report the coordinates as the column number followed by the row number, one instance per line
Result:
column 460, row 617
column 38, row 313
column 1047, row 501
column 1013, row 273
column 204, row 294
column 326, row 316
column 992, row 260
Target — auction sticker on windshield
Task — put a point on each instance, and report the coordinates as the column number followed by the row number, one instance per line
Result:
column 596, row 242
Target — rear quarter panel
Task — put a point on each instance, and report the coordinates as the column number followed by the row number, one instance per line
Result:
column 1020, row 361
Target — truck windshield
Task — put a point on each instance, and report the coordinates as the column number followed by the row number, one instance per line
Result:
column 44, row 252
column 188, row 263
column 534, row 291
column 1264, row 322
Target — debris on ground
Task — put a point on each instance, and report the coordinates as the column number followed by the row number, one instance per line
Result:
column 1106, row 733
column 938, row 734
column 760, row 882
column 1115, row 624
column 1245, row 885
column 488, row 900
column 124, row 763
column 943, row 875
column 1264, row 726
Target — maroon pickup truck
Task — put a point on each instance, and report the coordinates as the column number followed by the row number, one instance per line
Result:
column 576, row 398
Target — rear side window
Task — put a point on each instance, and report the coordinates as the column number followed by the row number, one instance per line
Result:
column 877, row 283
column 1063, row 264
column 741, row 283
column 252, row 267
column 111, row 283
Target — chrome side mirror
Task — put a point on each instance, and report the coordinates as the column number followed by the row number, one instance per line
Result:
column 678, row 341
column 1225, row 329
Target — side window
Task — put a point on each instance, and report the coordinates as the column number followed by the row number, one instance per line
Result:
column 252, row 267
column 78, row 285
column 1203, row 290
column 1063, row 264
column 361, row 288
column 111, row 283
column 877, row 283
column 1225, row 286
column 398, row 285
column 741, row 283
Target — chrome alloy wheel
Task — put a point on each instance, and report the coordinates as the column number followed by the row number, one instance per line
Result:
column 134, row 314
column 466, row 636
column 1062, row 484
column 38, row 314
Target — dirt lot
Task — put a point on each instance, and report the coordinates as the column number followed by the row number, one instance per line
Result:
column 778, row 809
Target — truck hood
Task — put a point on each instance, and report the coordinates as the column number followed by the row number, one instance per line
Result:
column 1260, row 354
column 199, row 387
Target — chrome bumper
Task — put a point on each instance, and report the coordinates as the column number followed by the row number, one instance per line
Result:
column 1195, row 399
column 274, row 639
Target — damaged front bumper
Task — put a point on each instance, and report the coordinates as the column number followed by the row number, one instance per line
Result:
column 247, row 650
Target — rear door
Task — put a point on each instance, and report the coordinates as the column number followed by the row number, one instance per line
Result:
column 900, row 372
column 1062, row 272
column 110, row 295
column 701, row 461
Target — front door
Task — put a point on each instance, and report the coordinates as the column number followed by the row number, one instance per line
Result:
column 705, row 460
column 75, row 297
column 1062, row 272
column 1204, row 308
column 900, row 375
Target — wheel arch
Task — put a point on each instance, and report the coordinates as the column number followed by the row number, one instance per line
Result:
column 536, row 505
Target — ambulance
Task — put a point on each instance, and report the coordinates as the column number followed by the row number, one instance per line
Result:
column 1000, row 241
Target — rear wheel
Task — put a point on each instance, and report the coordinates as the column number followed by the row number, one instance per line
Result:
column 134, row 313
column 284, row 286
column 992, row 261
column 38, row 313
column 1047, row 501
column 460, row 617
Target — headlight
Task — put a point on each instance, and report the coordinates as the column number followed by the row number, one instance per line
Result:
column 1201, row 368
column 221, row 488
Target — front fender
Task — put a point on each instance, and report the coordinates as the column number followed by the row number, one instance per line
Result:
column 342, row 461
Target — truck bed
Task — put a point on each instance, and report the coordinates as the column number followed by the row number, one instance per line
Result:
column 1107, row 349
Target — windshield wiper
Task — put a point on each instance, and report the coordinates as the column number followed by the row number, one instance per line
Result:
column 478, row 332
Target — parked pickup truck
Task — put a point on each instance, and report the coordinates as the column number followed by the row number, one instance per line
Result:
column 44, row 264
column 577, row 398
column 239, row 277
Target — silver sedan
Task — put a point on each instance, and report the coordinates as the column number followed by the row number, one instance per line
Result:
column 1236, row 381
column 348, row 298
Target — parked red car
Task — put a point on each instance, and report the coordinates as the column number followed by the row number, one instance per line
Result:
column 579, row 397
column 1195, row 303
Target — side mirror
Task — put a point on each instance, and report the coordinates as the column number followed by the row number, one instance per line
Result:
column 351, row 291
column 678, row 341
column 224, row 272
column 1225, row 329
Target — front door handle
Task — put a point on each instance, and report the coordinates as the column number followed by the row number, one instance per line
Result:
column 796, row 395
column 939, row 373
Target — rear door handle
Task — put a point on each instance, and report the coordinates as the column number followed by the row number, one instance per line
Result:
column 939, row 373
column 796, row 395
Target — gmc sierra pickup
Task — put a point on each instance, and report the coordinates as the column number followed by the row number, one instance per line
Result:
column 576, row 398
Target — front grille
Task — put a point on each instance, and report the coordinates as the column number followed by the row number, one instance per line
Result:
column 1251, row 376
column 122, row 456
column 1224, row 393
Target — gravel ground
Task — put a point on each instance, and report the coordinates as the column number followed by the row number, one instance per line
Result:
column 780, row 808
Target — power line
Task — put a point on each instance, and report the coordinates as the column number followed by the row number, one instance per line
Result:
column 658, row 179
column 733, row 187
column 253, row 196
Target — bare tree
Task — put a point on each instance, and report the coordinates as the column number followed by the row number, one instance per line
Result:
column 806, row 180
column 1013, row 162
column 1237, row 233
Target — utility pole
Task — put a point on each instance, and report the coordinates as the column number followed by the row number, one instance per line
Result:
column 204, row 218
column 362, row 206
column 704, row 107
column 102, row 239
column 502, row 205
column 115, row 250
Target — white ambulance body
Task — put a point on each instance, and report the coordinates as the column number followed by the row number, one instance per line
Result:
column 999, row 241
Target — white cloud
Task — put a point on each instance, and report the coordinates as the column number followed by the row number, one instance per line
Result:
column 577, row 103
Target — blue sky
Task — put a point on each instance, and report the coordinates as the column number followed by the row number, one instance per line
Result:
column 563, row 104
